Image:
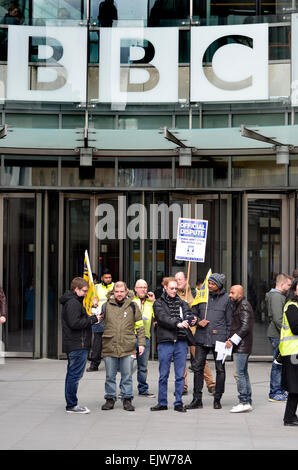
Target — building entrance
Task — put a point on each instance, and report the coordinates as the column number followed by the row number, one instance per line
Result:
column 18, row 214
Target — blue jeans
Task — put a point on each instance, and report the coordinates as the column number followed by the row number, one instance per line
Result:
column 166, row 351
column 125, row 365
column 142, row 362
column 75, row 370
column 243, row 382
column 275, row 375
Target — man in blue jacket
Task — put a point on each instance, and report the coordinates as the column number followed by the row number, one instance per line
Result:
column 214, row 322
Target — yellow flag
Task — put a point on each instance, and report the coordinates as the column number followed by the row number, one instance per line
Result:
column 87, row 275
column 202, row 295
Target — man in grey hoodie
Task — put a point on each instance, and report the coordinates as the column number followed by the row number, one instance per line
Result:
column 275, row 301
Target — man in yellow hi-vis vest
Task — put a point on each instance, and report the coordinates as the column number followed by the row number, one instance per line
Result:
column 102, row 290
column 288, row 348
column 144, row 300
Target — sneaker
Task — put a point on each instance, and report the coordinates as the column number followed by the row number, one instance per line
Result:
column 278, row 397
column 78, row 409
column 147, row 394
column 241, row 407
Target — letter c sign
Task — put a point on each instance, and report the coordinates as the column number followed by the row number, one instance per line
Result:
column 229, row 63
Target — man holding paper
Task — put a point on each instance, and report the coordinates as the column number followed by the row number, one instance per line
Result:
column 241, row 338
column 214, row 323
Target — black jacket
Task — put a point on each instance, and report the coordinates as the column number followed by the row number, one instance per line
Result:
column 167, row 329
column 219, row 314
column 76, row 324
column 242, row 325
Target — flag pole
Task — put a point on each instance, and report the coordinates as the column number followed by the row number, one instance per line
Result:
column 188, row 271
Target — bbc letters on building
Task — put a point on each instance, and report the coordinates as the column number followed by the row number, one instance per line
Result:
column 137, row 65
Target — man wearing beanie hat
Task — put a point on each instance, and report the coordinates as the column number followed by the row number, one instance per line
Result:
column 214, row 322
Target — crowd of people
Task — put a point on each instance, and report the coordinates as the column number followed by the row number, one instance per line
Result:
column 121, row 328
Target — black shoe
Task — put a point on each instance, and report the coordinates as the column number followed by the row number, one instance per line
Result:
column 92, row 369
column 291, row 423
column 217, row 405
column 109, row 404
column 180, row 408
column 196, row 403
column 127, row 405
column 158, row 407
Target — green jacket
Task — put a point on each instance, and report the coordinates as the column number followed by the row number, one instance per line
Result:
column 122, row 324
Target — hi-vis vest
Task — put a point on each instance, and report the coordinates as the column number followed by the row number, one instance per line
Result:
column 103, row 291
column 288, row 342
column 147, row 314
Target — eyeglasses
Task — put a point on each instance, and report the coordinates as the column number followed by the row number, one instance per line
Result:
column 141, row 287
column 84, row 290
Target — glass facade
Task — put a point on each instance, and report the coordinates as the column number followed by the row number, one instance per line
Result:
column 133, row 66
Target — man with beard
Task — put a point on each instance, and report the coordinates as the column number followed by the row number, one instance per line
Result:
column 241, row 338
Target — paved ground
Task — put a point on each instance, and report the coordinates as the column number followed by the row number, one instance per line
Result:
column 32, row 414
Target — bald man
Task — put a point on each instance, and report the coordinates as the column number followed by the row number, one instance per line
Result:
column 241, row 337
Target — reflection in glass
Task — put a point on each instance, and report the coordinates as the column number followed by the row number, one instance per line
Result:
column 254, row 171
column 205, row 172
column 99, row 175
column 264, row 261
column 18, row 270
column 108, row 243
column 25, row 173
column 77, row 228
column 167, row 12
column 145, row 176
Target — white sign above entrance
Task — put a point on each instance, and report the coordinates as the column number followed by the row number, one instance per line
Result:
column 137, row 65
column 58, row 60
column 238, row 57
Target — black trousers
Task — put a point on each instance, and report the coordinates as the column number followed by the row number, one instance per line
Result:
column 291, row 408
column 198, row 366
column 96, row 350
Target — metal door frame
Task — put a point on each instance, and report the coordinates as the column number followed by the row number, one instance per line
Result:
column 285, row 236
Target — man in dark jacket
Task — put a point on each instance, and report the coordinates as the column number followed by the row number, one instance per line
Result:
column 173, row 316
column 76, row 340
column 241, row 337
column 214, row 322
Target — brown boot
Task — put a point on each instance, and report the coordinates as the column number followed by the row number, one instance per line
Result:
column 109, row 404
column 127, row 405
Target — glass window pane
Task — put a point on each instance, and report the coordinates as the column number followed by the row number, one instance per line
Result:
column 18, row 264
column 101, row 122
column 212, row 121
column 204, row 173
column 71, row 121
column 144, row 122
column 293, row 170
column 253, row 171
column 100, row 174
column 139, row 176
column 33, row 172
column 259, row 119
column 37, row 121
column 264, row 262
